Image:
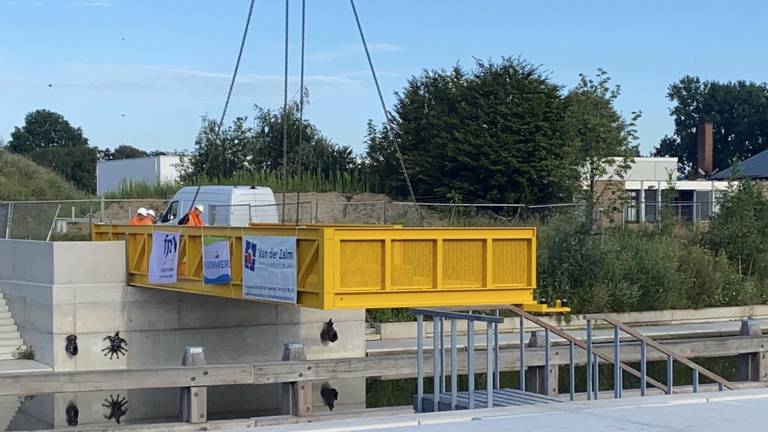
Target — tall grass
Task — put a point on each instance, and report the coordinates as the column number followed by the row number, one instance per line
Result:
column 22, row 179
column 344, row 182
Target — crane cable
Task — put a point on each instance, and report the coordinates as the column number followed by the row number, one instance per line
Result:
column 220, row 125
column 285, row 113
column 387, row 116
column 301, row 105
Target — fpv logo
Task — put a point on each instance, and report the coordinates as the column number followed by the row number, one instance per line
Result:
column 169, row 245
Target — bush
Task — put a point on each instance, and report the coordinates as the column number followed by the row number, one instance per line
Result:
column 23, row 353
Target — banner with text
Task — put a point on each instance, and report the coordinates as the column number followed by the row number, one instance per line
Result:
column 164, row 257
column 269, row 268
column 216, row 265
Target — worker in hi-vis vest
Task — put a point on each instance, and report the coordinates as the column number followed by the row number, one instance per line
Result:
column 140, row 218
column 195, row 216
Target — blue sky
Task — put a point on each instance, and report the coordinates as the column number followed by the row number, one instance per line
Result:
column 143, row 72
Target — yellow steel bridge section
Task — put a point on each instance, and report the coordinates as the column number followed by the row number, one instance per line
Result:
column 362, row 266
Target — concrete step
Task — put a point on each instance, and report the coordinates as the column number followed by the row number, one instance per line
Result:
column 5, row 315
column 9, row 405
column 10, row 340
column 9, row 327
column 9, row 335
column 4, row 307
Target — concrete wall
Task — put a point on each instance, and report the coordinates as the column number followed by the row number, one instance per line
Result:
column 58, row 289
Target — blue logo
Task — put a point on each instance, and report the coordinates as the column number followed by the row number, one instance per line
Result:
column 249, row 258
column 169, row 245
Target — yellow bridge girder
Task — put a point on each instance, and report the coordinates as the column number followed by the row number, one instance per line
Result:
column 366, row 266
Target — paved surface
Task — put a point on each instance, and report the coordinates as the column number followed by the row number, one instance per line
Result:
column 678, row 331
column 742, row 411
column 15, row 366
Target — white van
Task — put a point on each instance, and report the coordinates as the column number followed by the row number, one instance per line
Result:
column 224, row 205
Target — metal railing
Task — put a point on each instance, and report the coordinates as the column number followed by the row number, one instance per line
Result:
column 438, row 356
column 645, row 342
column 592, row 356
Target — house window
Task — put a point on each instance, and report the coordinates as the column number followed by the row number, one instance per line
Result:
column 651, row 205
column 703, row 205
column 631, row 213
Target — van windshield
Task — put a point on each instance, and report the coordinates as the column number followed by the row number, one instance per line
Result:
column 171, row 212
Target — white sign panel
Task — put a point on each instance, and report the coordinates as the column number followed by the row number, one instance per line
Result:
column 269, row 268
column 216, row 269
column 164, row 258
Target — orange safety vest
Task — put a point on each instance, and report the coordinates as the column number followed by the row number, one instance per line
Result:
column 193, row 219
column 137, row 220
column 145, row 221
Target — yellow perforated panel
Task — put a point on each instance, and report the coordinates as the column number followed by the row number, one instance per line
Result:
column 363, row 263
column 510, row 263
column 413, row 264
column 463, row 263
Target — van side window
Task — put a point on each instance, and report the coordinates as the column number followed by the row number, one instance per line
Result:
column 171, row 213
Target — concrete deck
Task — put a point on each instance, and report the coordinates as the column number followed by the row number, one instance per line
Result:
column 743, row 411
column 677, row 331
column 17, row 366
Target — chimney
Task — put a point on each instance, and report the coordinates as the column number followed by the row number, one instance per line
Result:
column 704, row 148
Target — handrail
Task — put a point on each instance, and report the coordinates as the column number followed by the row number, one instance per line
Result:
column 444, row 313
column 657, row 346
column 579, row 343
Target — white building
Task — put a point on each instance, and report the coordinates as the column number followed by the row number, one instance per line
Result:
column 151, row 170
column 695, row 200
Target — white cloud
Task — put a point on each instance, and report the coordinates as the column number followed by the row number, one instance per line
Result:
column 350, row 50
column 176, row 80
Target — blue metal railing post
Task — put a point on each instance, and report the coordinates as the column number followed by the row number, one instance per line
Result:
column 596, row 375
column 522, row 353
column 695, row 381
column 497, row 353
column 643, row 371
column 420, row 361
column 589, row 359
column 670, row 383
column 490, row 374
column 436, row 361
column 571, row 371
column 546, row 362
column 442, row 355
column 454, row 366
column 471, row 362
column 616, row 363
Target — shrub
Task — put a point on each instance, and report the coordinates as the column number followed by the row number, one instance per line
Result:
column 23, row 353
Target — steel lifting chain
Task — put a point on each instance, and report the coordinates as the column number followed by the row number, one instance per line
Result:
column 285, row 112
column 387, row 116
column 220, row 125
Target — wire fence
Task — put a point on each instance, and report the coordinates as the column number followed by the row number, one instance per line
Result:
column 63, row 220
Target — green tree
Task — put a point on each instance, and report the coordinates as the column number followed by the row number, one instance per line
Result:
column 493, row 134
column 122, row 152
column 739, row 229
column 223, row 157
column 51, row 141
column 259, row 148
column 603, row 142
column 738, row 110
column 380, row 160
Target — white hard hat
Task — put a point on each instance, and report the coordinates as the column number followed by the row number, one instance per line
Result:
column 151, row 212
column 142, row 211
column 200, row 208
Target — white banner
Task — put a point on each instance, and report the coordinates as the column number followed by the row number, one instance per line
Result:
column 164, row 258
column 269, row 268
column 216, row 268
